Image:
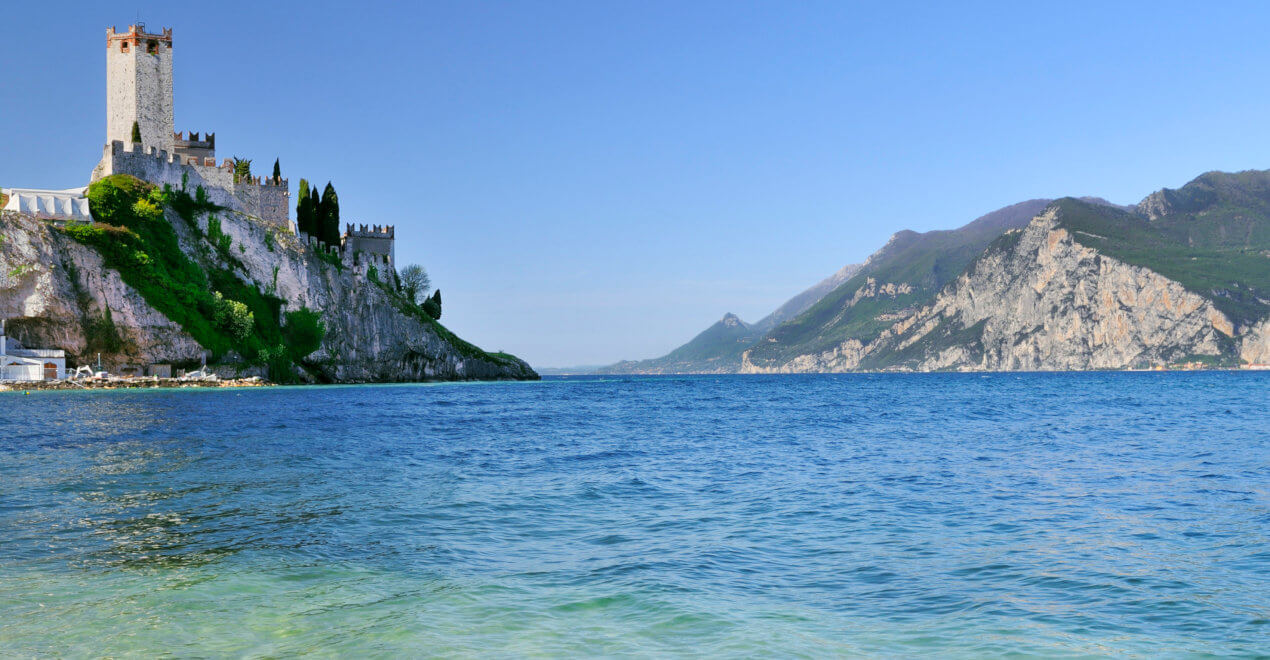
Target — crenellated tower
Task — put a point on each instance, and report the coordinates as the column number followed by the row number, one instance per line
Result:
column 139, row 89
column 139, row 86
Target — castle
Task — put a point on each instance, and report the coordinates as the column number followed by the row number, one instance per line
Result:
column 139, row 94
column 142, row 141
column 139, row 103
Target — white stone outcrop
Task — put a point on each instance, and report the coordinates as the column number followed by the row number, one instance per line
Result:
column 52, row 287
column 1047, row 302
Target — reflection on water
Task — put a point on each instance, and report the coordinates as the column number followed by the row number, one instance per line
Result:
column 945, row 514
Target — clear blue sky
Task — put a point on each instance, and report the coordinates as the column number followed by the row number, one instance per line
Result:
column 593, row 181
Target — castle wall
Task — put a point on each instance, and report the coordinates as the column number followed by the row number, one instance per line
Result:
column 261, row 198
column 199, row 153
column 193, row 147
column 270, row 202
column 139, row 87
column 374, row 241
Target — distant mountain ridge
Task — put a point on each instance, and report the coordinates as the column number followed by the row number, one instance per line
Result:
column 799, row 303
column 718, row 349
column 1075, row 283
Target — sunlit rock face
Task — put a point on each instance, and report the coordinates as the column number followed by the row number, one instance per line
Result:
column 52, row 289
column 1038, row 299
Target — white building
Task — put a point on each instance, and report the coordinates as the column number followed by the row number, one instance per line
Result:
column 18, row 363
column 70, row 204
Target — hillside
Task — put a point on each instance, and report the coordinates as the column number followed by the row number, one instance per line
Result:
column 905, row 273
column 923, row 262
column 803, row 301
column 1077, row 283
column 718, row 348
column 1183, row 277
column 164, row 278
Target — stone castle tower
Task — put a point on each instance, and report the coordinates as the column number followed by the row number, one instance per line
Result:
column 139, row 87
column 139, row 90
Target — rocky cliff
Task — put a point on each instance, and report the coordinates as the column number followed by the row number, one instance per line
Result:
column 920, row 262
column 1037, row 299
column 1182, row 278
column 58, row 292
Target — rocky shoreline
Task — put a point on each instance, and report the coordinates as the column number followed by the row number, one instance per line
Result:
column 132, row 383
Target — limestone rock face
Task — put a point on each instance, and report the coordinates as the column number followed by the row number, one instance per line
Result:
column 52, row 291
column 1039, row 300
column 368, row 338
column 52, row 288
column 1255, row 348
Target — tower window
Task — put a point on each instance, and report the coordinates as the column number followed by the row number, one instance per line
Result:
column 152, row 47
column 123, row 46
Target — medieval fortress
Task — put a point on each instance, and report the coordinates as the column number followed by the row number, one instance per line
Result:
column 139, row 94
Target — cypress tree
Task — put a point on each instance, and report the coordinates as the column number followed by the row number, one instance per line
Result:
column 329, row 215
column 277, row 171
column 315, row 215
column 136, row 133
column 302, row 222
column 315, row 223
column 432, row 306
column 306, row 216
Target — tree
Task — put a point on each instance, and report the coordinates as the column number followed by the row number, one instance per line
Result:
column 232, row 317
column 136, row 133
column 432, row 306
column 415, row 283
column 303, row 332
column 329, row 215
column 315, row 222
column 277, row 170
column 242, row 169
column 305, row 210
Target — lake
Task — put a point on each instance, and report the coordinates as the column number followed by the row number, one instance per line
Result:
column 876, row 515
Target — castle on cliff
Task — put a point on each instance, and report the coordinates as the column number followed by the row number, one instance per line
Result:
column 139, row 93
column 139, row 104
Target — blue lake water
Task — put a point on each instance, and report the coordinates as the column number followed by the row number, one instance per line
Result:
column 875, row 515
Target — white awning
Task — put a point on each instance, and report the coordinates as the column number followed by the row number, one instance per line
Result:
column 70, row 204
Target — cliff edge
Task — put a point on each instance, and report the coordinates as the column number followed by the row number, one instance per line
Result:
column 164, row 276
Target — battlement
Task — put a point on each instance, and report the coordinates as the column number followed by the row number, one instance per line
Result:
column 254, row 180
column 374, row 244
column 374, row 231
column 121, row 147
column 208, row 141
column 136, row 33
column 259, row 196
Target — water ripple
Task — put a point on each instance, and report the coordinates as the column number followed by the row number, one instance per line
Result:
column 957, row 515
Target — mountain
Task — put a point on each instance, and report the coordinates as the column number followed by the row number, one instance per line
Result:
column 719, row 348
column 907, row 271
column 163, row 278
column 801, row 302
column 1183, row 277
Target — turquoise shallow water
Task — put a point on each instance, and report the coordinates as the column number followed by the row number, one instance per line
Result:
column 957, row 515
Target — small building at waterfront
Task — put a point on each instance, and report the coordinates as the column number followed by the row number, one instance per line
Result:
column 18, row 363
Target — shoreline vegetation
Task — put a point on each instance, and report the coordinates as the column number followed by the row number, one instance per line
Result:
column 172, row 248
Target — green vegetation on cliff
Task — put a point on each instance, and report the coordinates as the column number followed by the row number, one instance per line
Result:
column 918, row 265
column 221, row 312
column 1218, row 247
